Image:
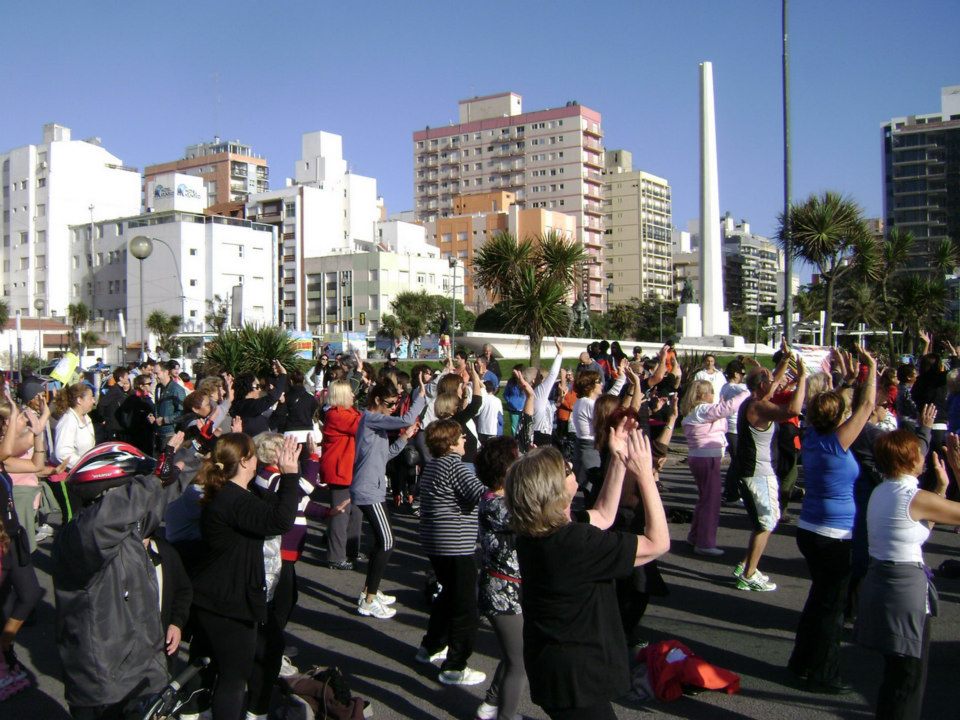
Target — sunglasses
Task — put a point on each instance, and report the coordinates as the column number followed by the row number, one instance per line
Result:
column 390, row 403
column 255, row 386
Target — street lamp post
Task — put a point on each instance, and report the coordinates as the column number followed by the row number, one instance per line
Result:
column 609, row 290
column 39, row 305
column 141, row 247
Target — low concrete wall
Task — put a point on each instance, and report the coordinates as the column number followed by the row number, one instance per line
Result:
column 517, row 347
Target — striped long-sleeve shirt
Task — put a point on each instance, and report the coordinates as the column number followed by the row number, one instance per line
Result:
column 449, row 494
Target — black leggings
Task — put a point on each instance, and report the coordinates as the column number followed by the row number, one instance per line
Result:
column 18, row 579
column 379, row 518
column 904, row 679
column 231, row 644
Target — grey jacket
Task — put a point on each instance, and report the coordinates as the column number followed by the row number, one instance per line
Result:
column 369, row 485
column 108, row 626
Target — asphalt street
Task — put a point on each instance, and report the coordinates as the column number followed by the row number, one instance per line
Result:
column 748, row 633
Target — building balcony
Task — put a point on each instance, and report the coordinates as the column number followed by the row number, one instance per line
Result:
column 592, row 130
column 593, row 161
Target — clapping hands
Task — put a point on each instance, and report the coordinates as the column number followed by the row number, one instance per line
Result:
column 289, row 456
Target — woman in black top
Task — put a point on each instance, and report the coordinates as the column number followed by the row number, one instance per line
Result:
column 452, row 405
column 297, row 407
column 229, row 583
column 253, row 401
column 136, row 417
column 572, row 636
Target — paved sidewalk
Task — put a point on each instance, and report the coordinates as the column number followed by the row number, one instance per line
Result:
column 749, row 633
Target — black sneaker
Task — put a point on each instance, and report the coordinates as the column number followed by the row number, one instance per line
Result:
column 344, row 565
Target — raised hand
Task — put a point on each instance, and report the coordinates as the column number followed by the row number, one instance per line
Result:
column 619, row 440
column 940, row 470
column 311, row 444
column 175, row 441
column 289, row 456
column 952, row 452
column 236, row 425
column 639, row 456
column 411, row 430
column 558, row 345
column 928, row 415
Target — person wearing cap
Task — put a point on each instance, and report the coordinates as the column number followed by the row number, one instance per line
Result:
column 392, row 359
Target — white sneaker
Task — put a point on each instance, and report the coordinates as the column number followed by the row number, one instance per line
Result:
column 486, row 711
column 376, row 609
column 287, row 668
column 756, row 582
column 710, row 552
column 467, row 676
column 44, row 532
column 738, row 572
column 382, row 597
column 426, row 659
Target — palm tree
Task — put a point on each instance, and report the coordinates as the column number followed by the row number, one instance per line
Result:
column 532, row 280
column 920, row 303
column 860, row 304
column 829, row 232
column 891, row 257
column 165, row 327
column 4, row 313
column 411, row 317
column 79, row 315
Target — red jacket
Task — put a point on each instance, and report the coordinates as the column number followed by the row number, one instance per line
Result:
column 339, row 445
column 667, row 679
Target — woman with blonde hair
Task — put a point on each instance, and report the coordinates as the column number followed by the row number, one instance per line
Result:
column 338, row 448
column 705, row 428
column 573, row 639
column 229, row 582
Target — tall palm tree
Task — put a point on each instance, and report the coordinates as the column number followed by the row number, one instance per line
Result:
column 532, row 279
column 829, row 232
column 921, row 301
column 79, row 315
column 893, row 254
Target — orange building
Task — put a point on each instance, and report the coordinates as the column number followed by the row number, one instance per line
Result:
column 230, row 170
column 478, row 217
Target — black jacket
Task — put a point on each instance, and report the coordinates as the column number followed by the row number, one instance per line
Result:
column 137, row 430
column 296, row 412
column 177, row 592
column 108, row 625
column 229, row 578
column 108, row 406
column 255, row 412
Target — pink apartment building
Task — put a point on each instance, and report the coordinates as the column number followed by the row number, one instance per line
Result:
column 550, row 159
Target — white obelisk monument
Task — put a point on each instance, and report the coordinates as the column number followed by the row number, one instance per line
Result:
column 715, row 320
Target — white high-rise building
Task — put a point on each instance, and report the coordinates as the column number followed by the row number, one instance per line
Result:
column 327, row 210
column 46, row 189
column 195, row 257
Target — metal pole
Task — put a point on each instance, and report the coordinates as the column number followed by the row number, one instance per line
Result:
column 19, row 347
column 787, row 230
column 143, row 341
column 661, row 321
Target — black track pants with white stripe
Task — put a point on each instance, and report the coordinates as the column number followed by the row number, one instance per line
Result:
column 379, row 518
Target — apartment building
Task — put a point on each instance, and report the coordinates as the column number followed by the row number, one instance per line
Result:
column 231, row 171
column 351, row 291
column 549, row 159
column 46, row 189
column 477, row 217
column 327, row 210
column 921, row 165
column 637, row 225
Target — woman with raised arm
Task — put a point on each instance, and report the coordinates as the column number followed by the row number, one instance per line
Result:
column 897, row 600
column 230, row 581
column 757, row 421
column 573, row 640
column 368, row 490
column 825, row 529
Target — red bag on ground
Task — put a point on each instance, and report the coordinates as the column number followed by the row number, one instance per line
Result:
column 671, row 665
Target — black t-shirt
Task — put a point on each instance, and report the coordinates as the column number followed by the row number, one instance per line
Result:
column 574, row 646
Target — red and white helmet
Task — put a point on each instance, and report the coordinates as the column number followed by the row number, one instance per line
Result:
column 108, row 465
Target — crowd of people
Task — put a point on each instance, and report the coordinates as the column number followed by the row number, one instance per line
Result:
column 184, row 507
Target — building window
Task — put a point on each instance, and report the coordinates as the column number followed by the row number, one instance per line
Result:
column 193, row 251
column 372, row 276
column 421, row 278
column 193, row 283
column 76, row 262
column 41, row 210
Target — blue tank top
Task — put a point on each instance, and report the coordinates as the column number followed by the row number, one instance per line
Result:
column 829, row 473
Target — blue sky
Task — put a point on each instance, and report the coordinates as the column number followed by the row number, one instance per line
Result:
column 140, row 76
